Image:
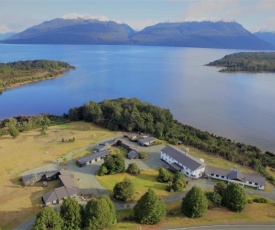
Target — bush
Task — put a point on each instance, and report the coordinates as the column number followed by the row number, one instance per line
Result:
column 260, row 200
column 133, row 169
column 164, row 176
column 195, row 203
column 150, row 209
column 234, row 197
column 124, row 190
column 114, row 164
column 215, row 198
column 142, row 155
column 102, row 171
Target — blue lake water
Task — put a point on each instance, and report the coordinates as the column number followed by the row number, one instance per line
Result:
column 238, row 106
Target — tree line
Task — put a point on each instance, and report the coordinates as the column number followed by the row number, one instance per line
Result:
column 14, row 73
column 135, row 116
column 255, row 62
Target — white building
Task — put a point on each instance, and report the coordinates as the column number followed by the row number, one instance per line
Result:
column 236, row 176
column 181, row 161
column 192, row 167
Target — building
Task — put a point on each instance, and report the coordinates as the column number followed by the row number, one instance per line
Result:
column 147, row 141
column 68, row 188
column 30, row 179
column 235, row 176
column 133, row 154
column 183, row 162
column 92, row 158
column 105, row 145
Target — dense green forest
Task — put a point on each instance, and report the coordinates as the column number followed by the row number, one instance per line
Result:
column 21, row 72
column 135, row 116
column 255, row 62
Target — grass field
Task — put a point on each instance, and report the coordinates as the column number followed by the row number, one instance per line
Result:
column 145, row 180
column 253, row 213
column 31, row 150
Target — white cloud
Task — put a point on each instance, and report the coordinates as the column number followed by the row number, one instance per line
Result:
column 212, row 10
column 4, row 29
column 86, row 17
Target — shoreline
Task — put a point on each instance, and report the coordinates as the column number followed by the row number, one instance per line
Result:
column 37, row 80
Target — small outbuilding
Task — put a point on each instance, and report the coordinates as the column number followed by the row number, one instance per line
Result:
column 133, row 154
column 147, row 141
column 92, row 158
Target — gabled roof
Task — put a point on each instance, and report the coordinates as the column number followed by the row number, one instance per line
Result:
column 255, row 178
column 132, row 154
column 236, row 175
column 93, row 156
column 146, row 139
column 49, row 197
column 61, row 192
column 217, row 171
column 109, row 142
column 182, row 157
column 68, row 181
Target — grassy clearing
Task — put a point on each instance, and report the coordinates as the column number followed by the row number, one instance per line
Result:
column 253, row 213
column 32, row 150
column 147, row 179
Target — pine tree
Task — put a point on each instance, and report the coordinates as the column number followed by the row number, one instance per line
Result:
column 71, row 213
column 195, row 203
column 48, row 218
column 124, row 190
column 99, row 213
column 150, row 209
column 234, row 197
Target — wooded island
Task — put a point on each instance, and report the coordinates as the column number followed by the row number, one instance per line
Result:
column 22, row 72
column 254, row 62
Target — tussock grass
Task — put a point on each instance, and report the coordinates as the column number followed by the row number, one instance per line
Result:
column 31, row 150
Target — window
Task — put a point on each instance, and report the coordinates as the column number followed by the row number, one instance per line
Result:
column 222, row 176
column 212, row 174
column 250, row 182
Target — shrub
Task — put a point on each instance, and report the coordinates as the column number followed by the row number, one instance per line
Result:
column 164, row 175
column 102, row 171
column 195, row 203
column 124, row 190
column 260, row 200
column 133, row 169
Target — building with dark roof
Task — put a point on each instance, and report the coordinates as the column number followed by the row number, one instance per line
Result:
column 235, row 176
column 92, row 158
column 146, row 141
column 68, row 188
column 30, row 179
column 181, row 161
column 133, row 154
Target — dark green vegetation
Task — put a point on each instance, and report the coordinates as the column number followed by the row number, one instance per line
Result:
column 99, row 213
column 71, row 212
column 164, row 175
column 22, row 72
column 255, row 62
column 150, row 209
column 14, row 126
column 133, row 115
column 48, row 218
column 194, row 204
column 113, row 164
column 124, row 190
column 133, row 169
column 230, row 35
column 234, row 197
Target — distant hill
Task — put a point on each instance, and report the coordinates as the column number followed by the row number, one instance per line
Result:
column 228, row 35
column 74, row 31
column 266, row 36
column 6, row 35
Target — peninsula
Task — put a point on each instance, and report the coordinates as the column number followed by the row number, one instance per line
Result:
column 253, row 62
column 14, row 74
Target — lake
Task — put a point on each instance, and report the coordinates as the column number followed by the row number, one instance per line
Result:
column 239, row 106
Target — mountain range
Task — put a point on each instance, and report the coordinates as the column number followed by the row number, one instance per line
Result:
column 266, row 36
column 206, row 34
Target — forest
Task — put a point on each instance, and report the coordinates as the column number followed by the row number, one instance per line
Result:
column 135, row 116
column 21, row 72
column 254, row 62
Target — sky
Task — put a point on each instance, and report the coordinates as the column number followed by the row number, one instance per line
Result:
column 254, row 15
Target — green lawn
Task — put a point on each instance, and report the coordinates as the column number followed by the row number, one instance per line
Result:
column 147, row 179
